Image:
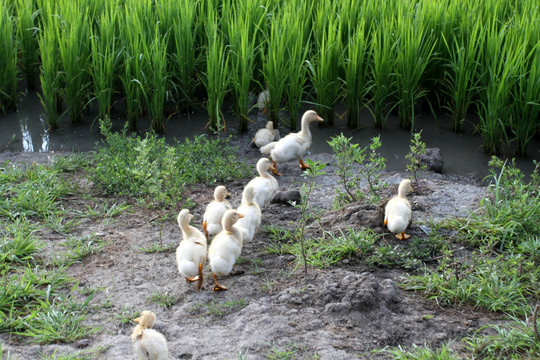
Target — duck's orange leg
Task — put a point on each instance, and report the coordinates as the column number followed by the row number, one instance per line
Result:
column 274, row 168
column 192, row 279
column 303, row 165
column 402, row 236
column 199, row 284
column 204, row 228
column 217, row 287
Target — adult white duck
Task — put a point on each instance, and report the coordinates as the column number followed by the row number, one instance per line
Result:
column 398, row 211
column 294, row 145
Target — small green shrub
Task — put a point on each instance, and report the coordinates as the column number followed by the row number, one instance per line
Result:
column 416, row 149
column 148, row 167
column 355, row 164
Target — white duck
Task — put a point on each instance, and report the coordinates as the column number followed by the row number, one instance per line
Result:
column 191, row 253
column 251, row 221
column 294, row 145
column 225, row 248
column 148, row 344
column 266, row 135
column 215, row 210
column 262, row 101
column 398, row 211
column 264, row 185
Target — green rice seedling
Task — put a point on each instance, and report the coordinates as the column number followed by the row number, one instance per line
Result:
column 503, row 54
column 526, row 101
column 49, row 74
column 355, row 65
column 382, row 53
column 104, row 59
column 156, row 79
column 132, row 73
column 414, row 48
column 324, row 67
column 215, row 79
column 26, row 34
column 275, row 64
column 296, row 19
column 186, row 56
column 8, row 59
column 244, row 21
column 74, row 51
column 461, row 77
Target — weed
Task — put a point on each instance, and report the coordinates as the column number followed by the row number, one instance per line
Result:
column 417, row 148
column 164, row 299
column 349, row 156
column 158, row 247
column 420, row 353
column 127, row 315
column 219, row 310
column 81, row 247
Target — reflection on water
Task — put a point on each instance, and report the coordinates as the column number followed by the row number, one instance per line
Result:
column 462, row 153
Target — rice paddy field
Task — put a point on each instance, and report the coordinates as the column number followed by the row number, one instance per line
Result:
column 477, row 61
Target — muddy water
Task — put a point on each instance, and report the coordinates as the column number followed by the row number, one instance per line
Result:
column 26, row 130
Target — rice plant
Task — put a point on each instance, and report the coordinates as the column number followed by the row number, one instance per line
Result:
column 244, row 21
column 26, row 34
column 414, row 48
column 275, row 64
column 296, row 19
column 185, row 31
column 8, row 59
column 49, row 74
column 461, row 77
column 217, row 70
column 131, row 75
column 154, row 87
column 382, row 52
column 104, row 60
column 74, row 50
column 355, row 65
column 324, row 67
column 503, row 55
column 526, row 99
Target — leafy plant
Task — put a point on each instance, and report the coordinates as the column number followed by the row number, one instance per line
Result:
column 417, row 148
column 164, row 299
column 355, row 164
column 219, row 309
column 315, row 169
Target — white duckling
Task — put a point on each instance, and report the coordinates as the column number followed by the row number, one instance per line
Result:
column 264, row 185
column 266, row 135
column 215, row 210
column 398, row 211
column 262, row 101
column 191, row 252
column 148, row 344
column 225, row 248
column 251, row 221
column 294, row 145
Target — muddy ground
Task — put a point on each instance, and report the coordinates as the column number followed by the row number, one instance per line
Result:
column 343, row 312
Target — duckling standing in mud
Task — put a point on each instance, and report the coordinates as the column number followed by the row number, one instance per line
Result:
column 225, row 248
column 398, row 211
column 148, row 344
column 215, row 210
column 191, row 252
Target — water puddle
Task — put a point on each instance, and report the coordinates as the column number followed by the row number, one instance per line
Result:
column 26, row 130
